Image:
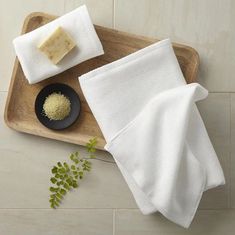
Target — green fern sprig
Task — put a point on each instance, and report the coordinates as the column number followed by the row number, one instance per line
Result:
column 66, row 176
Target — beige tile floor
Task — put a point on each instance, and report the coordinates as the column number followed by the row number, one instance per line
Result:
column 103, row 204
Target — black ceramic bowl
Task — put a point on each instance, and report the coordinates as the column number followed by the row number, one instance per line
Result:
column 66, row 91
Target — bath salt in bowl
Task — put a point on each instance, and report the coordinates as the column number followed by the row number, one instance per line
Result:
column 57, row 106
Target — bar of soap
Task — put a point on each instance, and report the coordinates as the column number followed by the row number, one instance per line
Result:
column 57, row 45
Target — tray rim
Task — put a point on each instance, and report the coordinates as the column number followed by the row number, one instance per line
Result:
column 53, row 135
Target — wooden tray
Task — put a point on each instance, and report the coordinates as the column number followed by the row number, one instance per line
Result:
column 19, row 110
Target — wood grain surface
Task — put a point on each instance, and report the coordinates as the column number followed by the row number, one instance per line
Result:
column 19, row 110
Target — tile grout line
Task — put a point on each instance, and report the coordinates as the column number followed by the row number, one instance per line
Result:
column 114, row 221
column 114, row 13
column 64, row 6
column 230, row 151
column 114, row 210
column 72, row 208
column 96, row 208
column 222, row 92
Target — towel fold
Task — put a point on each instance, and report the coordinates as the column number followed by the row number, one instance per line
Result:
column 34, row 63
column 154, row 131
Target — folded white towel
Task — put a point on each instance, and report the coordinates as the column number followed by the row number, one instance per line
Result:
column 77, row 23
column 154, row 131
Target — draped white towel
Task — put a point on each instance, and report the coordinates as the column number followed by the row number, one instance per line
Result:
column 34, row 63
column 154, row 131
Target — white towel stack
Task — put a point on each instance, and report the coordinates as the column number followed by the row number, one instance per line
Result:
column 154, row 131
column 34, row 63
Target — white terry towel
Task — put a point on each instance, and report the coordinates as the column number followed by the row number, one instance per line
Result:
column 154, row 131
column 77, row 23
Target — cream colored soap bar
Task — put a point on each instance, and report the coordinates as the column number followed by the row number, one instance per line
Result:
column 57, row 45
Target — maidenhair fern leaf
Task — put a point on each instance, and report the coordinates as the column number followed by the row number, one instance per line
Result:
column 66, row 175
